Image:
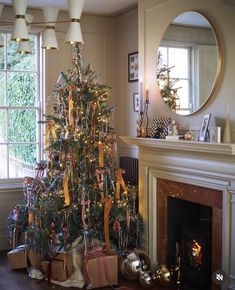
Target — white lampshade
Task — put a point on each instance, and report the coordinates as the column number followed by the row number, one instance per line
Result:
column 19, row 6
column 29, row 19
column 49, row 40
column 24, row 47
column 74, row 34
column 20, row 31
column 50, row 14
column 75, row 8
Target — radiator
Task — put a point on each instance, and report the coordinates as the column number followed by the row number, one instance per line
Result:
column 131, row 167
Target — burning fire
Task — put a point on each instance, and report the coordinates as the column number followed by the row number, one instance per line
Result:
column 197, row 253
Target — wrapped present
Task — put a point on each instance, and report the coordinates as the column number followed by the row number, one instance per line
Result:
column 34, row 258
column 59, row 268
column 18, row 258
column 100, row 271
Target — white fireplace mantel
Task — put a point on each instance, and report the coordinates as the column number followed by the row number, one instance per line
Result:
column 210, row 165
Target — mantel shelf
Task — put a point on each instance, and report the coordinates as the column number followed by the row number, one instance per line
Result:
column 227, row 149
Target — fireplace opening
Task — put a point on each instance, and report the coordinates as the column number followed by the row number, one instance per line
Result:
column 189, row 231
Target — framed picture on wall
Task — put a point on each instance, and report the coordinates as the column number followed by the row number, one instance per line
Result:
column 136, row 102
column 204, row 127
column 133, row 67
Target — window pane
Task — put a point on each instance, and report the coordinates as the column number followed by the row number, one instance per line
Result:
column 183, row 93
column 17, row 61
column 178, row 59
column 2, row 51
column 21, row 89
column 22, row 126
column 3, row 126
column 163, row 56
column 3, row 160
column 2, row 88
column 22, row 160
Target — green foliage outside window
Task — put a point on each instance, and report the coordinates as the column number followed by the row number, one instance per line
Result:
column 20, row 90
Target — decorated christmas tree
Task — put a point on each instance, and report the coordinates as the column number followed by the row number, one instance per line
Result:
column 79, row 191
column 167, row 85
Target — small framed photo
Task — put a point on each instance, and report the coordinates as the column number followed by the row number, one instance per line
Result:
column 133, row 67
column 204, row 127
column 136, row 102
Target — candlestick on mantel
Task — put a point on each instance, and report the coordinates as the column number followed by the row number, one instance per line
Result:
column 141, row 96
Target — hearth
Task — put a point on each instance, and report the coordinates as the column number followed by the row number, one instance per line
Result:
column 189, row 226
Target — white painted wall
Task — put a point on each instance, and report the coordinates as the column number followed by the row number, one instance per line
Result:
column 127, row 42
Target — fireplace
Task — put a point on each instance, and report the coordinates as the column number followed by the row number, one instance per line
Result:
column 191, row 216
column 198, row 172
column 189, row 228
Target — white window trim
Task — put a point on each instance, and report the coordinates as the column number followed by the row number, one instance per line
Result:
column 16, row 183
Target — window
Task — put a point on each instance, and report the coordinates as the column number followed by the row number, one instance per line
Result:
column 20, row 109
column 178, row 60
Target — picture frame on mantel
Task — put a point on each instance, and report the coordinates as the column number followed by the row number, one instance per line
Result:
column 204, row 128
column 133, row 67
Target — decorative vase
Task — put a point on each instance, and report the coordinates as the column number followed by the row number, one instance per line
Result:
column 227, row 131
column 189, row 136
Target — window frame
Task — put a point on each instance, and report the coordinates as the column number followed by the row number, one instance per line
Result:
column 39, row 108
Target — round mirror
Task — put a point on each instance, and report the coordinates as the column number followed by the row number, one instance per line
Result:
column 189, row 63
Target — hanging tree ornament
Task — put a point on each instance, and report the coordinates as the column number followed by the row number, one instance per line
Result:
column 120, row 183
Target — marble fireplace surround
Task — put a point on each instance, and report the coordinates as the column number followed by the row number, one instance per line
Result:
column 208, row 165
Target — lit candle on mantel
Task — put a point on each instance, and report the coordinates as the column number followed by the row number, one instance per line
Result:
column 147, row 94
column 141, row 93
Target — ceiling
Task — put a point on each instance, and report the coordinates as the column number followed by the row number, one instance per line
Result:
column 95, row 7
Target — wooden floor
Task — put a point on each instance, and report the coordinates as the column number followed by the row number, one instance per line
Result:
column 19, row 280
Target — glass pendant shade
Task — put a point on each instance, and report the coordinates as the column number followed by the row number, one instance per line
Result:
column 20, row 31
column 49, row 40
column 74, row 34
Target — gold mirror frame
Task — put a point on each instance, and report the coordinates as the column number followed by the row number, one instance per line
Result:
column 218, row 67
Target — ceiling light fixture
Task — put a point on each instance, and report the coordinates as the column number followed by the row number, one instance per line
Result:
column 24, row 47
column 20, row 31
column 49, row 41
